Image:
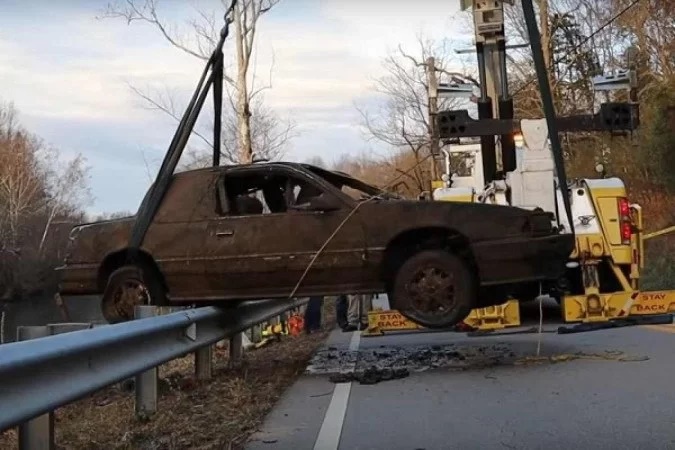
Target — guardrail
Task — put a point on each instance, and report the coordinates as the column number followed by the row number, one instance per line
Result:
column 49, row 371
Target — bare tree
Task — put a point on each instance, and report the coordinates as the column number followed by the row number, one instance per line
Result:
column 317, row 161
column 270, row 135
column 67, row 189
column 402, row 121
column 246, row 15
column 649, row 26
column 579, row 40
column 111, row 216
column 21, row 177
column 259, row 131
column 37, row 191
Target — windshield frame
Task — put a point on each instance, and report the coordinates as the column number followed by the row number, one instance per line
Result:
column 340, row 179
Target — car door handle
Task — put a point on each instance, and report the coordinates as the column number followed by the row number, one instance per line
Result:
column 224, row 233
column 272, row 258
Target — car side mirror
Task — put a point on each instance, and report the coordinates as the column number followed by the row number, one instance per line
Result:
column 324, row 203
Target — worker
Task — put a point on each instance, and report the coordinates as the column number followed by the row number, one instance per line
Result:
column 341, row 311
column 357, row 313
column 313, row 314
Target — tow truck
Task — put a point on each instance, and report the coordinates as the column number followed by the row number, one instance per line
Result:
column 603, row 273
column 601, row 283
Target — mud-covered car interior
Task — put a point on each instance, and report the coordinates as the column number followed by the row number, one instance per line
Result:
column 247, row 194
column 264, row 193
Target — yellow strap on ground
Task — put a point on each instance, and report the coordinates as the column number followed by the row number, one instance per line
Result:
column 658, row 233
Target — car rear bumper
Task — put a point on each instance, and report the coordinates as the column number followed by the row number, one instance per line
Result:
column 523, row 259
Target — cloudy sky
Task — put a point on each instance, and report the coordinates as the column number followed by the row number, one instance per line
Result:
column 68, row 73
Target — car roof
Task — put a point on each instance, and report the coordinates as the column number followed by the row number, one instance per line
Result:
column 236, row 167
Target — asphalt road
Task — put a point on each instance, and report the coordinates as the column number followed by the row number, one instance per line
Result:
column 609, row 389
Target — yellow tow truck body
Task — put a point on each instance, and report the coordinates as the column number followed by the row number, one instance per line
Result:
column 603, row 281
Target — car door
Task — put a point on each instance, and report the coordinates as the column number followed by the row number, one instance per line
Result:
column 265, row 252
column 176, row 237
column 328, row 246
column 244, row 258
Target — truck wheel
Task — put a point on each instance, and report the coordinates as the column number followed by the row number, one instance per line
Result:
column 127, row 287
column 434, row 288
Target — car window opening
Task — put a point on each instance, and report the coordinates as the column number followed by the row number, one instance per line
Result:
column 267, row 194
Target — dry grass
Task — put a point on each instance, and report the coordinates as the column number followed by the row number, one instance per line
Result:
column 216, row 414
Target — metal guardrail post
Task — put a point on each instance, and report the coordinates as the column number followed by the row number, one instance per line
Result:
column 204, row 363
column 236, row 347
column 38, row 433
column 146, row 382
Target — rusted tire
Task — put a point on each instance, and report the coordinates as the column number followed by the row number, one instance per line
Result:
column 128, row 287
column 434, row 288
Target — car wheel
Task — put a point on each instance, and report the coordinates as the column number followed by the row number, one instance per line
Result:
column 128, row 287
column 434, row 288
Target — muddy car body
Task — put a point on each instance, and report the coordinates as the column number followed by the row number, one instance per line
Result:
column 227, row 234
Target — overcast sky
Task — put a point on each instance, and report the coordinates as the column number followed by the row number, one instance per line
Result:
column 68, row 73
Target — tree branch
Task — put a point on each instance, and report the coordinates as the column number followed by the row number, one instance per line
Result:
column 156, row 105
column 148, row 13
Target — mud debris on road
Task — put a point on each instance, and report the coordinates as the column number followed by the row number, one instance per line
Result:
column 372, row 365
column 371, row 375
column 387, row 362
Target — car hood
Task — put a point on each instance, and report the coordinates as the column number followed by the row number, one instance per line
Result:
column 475, row 220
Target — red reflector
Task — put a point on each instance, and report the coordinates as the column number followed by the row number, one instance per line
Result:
column 624, row 207
column 625, row 231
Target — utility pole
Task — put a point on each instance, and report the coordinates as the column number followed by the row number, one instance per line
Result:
column 432, row 93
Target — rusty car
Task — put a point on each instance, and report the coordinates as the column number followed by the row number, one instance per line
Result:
column 270, row 230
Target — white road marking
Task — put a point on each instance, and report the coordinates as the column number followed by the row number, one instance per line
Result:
column 354, row 343
column 331, row 428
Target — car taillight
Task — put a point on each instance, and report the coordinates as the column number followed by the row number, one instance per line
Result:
column 625, row 233
column 625, row 221
column 624, row 208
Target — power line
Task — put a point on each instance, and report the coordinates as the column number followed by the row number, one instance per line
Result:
column 582, row 43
